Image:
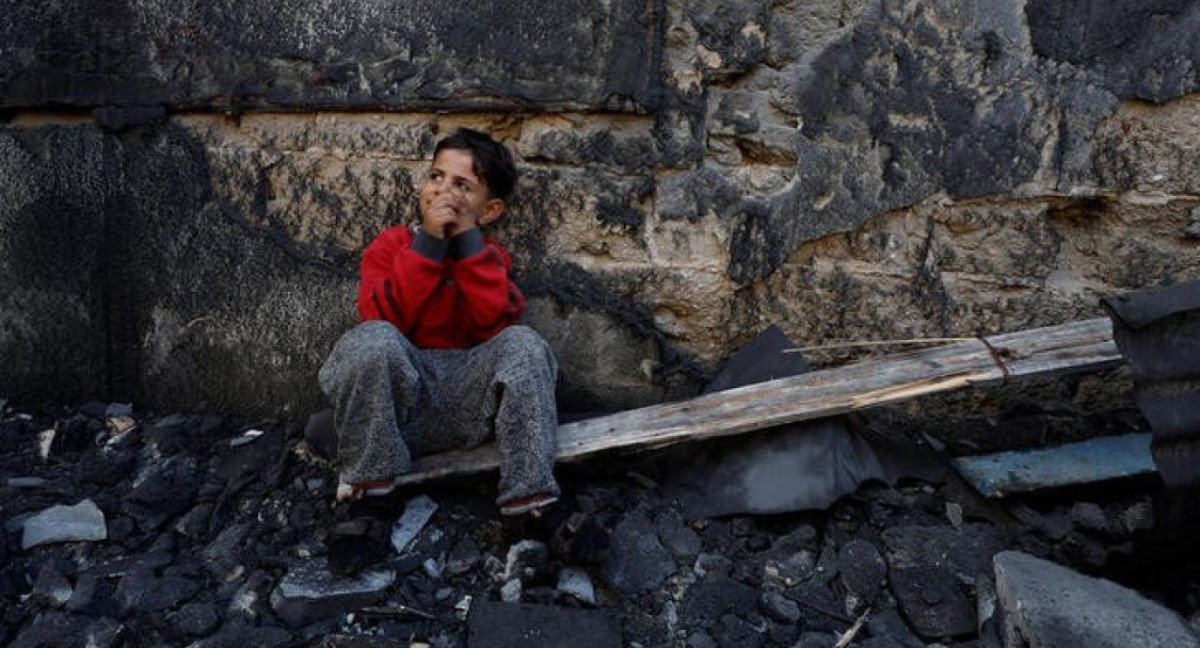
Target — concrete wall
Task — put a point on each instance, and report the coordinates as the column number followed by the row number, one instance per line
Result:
column 185, row 188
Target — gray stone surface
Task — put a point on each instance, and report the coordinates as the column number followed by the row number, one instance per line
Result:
column 309, row 592
column 637, row 561
column 1045, row 605
column 82, row 522
column 350, row 55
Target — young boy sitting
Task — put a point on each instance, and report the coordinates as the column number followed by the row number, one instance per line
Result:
column 438, row 361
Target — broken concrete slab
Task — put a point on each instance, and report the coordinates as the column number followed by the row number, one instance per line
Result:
column 81, row 522
column 501, row 625
column 1085, row 462
column 309, row 591
column 1046, row 605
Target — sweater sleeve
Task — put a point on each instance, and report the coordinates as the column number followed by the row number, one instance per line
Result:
column 493, row 301
column 397, row 281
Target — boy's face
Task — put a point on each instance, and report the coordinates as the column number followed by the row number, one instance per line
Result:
column 453, row 199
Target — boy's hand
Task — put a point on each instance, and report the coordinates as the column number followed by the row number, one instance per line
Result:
column 447, row 217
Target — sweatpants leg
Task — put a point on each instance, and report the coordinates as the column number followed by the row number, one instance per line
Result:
column 504, row 386
column 374, row 379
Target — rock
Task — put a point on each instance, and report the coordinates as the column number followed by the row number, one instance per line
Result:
column 501, row 625
column 577, row 583
column 1046, row 605
column 1089, row 516
column 779, row 607
column 62, row 629
column 82, row 522
column 816, row 640
column 417, row 512
column 463, row 557
column 862, row 570
column 51, row 589
column 637, row 561
column 195, row 619
column 715, row 595
column 510, row 591
column 309, row 592
column 677, row 538
column 886, row 622
column 933, row 601
column 141, row 591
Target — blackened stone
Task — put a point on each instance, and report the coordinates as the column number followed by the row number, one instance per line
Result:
column 862, row 570
column 83, row 594
column 779, row 607
column 162, row 494
column 195, row 619
column 463, row 557
column 804, row 536
column 62, row 629
column 886, row 622
column 223, row 554
column 732, row 631
column 106, row 468
column 637, row 561
column 681, row 541
column 236, row 635
column 141, row 591
column 502, row 625
column 967, row 549
column 309, row 592
column 717, row 594
column 51, row 589
column 933, row 601
column 816, row 640
column 701, row 639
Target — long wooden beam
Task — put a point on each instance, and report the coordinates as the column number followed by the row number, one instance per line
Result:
column 1068, row 348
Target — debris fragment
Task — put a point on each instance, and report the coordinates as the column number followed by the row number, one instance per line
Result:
column 310, row 591
column 245, row 437
column 1045, row 605
column 417, row 513
column 45, row 440
column 576, row 583
column 500, row 625
column 82, row 522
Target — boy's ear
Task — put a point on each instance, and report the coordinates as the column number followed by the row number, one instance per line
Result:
column 491, row 211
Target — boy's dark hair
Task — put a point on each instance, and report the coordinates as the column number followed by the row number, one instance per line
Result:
column 491, row 160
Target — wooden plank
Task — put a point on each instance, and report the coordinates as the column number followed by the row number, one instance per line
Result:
column 1079, row 346
column 1085, row 462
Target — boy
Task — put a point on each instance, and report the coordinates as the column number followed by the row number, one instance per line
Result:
column 438, row 361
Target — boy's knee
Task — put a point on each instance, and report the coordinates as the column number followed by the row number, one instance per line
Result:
column 522, row 341
column 373, row 343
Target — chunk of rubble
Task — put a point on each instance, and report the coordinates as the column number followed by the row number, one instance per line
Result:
column 500, row 625
column 309, row 592
column 83, row 522
column 1045, row 605
column 576, row 583
column 417, row 513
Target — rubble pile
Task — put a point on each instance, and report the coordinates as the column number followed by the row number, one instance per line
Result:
column 125, row 530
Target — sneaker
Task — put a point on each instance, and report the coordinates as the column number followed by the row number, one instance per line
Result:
column 527, row 504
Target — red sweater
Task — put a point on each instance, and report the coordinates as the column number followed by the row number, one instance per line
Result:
column 452, row 304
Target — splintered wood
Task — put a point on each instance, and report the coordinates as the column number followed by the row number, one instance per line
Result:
column 1069, row 348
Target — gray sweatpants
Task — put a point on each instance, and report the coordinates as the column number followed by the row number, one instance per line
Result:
column 393, row 401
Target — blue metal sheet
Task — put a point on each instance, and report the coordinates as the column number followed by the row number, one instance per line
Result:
column 1094, row 460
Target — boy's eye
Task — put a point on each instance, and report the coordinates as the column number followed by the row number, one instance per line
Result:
column 462, row 185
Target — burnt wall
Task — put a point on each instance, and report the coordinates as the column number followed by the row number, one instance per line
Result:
column 185, row 189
